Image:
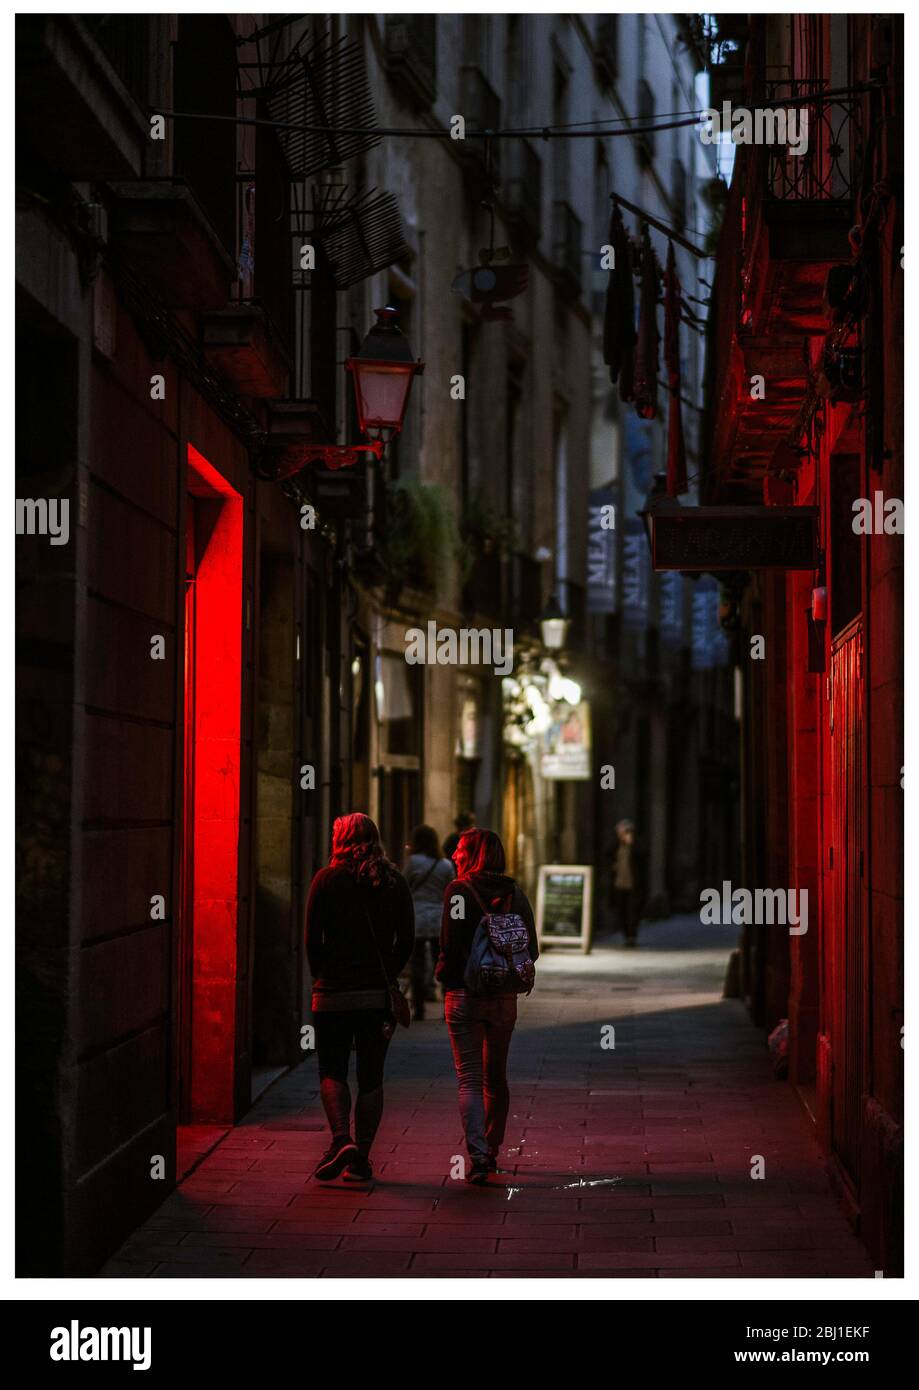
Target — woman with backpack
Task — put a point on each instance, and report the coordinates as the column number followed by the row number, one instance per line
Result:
column 359, row 935
column 487, row 948
column 427, row 875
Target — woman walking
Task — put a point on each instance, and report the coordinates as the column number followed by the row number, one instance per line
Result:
column 427, row 875
column 359, row 935
column 480, row 1025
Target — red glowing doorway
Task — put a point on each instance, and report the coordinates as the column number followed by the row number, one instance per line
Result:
column 207, row 938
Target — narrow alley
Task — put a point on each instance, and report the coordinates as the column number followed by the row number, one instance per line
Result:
column 626, row 1161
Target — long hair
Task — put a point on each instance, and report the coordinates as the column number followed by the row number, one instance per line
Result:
column 425, row 841
column 479, row 851
column 356, row 847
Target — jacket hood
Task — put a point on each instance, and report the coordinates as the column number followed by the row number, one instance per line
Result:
column 490, row 881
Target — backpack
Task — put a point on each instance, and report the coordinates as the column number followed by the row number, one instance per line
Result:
column 499, row 958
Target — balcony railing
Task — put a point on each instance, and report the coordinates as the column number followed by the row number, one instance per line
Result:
column 567, row 234
column 481, row 108
column 830, row 135
column 521, row 187
column 411, row 55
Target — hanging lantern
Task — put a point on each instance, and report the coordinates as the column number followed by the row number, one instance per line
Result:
column 553, row 626
column 383, row 371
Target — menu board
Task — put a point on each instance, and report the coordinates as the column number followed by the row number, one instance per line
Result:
column 564, row 905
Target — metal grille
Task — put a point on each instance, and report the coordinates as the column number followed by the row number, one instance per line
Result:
column 359, row 237
column 326, row 87
column 830, row 167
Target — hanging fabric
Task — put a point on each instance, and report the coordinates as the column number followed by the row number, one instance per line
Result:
column 619, row 309
column 676, row 446
column 648, row 336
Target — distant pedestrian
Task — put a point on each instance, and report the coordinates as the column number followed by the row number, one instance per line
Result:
column 481, row 1024
column 359, row 935
column 626, row 886
column 464, row 821
column 427, row 874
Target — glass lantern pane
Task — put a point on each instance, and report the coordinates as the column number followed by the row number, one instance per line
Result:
column 383, row 391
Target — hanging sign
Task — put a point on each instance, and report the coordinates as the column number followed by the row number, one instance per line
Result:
column 564, row 902
column 566, row 743
column 734, row 538
column 601, row 550
column 636, row 576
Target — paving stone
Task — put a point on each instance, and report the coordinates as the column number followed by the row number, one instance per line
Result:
column 628, row 1165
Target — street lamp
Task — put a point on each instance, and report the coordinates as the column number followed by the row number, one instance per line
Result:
column 383, row 371
column 553, row 625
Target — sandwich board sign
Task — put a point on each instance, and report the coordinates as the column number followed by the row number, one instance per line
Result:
column 564, row 905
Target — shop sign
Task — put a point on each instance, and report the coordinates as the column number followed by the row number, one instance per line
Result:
column 734, row 538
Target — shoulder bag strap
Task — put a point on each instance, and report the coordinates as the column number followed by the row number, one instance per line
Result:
column 468, row 883
column 422, row 881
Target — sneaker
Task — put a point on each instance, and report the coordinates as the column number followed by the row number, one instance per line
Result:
column 360, row 1169
column 336, row 1157
column 478, row 1173
column 492, row 1161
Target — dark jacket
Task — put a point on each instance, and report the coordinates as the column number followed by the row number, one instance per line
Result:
column 341, row 952
column 499, row 893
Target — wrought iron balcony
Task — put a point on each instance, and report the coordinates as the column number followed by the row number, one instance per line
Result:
column 411, row 56
column 567, row 233
column 786, row 223
column 829, row 168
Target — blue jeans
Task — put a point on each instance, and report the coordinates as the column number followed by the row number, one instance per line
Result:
column 480, row 1035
